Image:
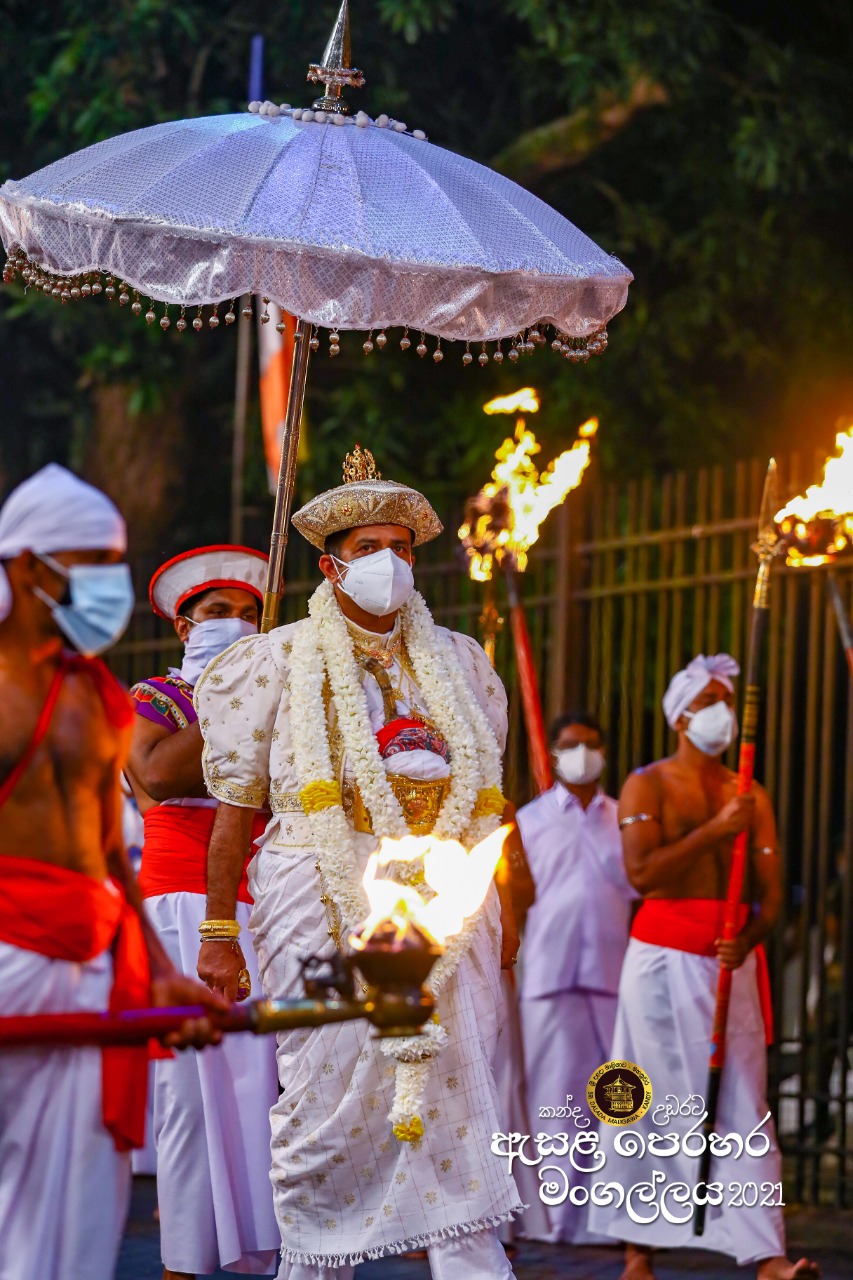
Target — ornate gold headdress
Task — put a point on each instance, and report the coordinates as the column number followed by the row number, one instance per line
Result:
column 359, row 465
column 365, row 498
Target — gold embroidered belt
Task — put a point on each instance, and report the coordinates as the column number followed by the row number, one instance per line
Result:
column 420, row 800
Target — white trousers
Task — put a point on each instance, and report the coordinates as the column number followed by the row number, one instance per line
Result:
column 64, row 1189
column 567, row 1036
column 211, row 1128
column 479, row 1256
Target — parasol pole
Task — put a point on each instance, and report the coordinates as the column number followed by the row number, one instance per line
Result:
column 845, row 628
column 244, row 345
column 286, row 474
column 765, row 548
column 528, row 684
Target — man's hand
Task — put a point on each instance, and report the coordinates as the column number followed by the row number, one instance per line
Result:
column 219, row 964
column 736, row 816
column 174, row 988
column 731, row 955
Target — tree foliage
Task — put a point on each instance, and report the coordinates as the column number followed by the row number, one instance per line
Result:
column 707, row 144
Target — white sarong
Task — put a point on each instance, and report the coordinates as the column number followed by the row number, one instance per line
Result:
column 666, row 1012
column 211, row 1127
column 64, row 1189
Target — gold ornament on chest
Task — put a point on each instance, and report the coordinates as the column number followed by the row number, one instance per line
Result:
column 420, row 800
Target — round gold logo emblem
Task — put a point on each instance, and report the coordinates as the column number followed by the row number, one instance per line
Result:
column 619, row 1093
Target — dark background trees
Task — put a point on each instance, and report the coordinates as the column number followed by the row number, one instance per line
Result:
column 707, row 144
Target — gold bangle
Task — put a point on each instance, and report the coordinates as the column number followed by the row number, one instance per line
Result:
column 219, row 930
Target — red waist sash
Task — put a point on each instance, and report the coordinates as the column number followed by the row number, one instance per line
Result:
column 66, row 915
column 694, row 925
column 174, row 855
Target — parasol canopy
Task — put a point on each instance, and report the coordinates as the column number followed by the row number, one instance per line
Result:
column 346, row 222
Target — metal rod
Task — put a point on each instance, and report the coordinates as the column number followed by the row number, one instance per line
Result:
column 286, row 474
column 395, row 1013
column 767, row 539
column 845, row 627
column 241, row 402
column 680, row 531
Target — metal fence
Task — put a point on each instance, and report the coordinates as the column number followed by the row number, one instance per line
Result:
column 628, row 582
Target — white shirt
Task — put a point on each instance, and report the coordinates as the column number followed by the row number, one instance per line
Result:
column 577, row 929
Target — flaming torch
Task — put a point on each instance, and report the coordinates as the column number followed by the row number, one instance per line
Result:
column 502, row 523
column 817, row 528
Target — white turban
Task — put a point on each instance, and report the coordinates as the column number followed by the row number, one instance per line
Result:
column 696, row 676
column 55, row 511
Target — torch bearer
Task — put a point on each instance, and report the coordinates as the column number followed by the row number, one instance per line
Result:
column 501, row 524
column 817, row 528
column 766, row 547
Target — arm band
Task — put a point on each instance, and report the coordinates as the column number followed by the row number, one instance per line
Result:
column 637, row 817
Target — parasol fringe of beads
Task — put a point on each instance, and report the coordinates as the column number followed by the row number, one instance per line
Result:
column 66, row 289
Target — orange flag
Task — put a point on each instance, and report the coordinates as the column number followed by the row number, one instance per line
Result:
column 275, row 352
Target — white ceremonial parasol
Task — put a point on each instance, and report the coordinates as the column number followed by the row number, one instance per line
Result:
column 346, row 222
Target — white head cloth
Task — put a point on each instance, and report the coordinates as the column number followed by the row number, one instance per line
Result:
column 55, row 511
column 697, row 675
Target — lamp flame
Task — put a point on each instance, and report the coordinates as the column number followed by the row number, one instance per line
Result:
column 818, row 525
column 504, row 519
column 436, row 900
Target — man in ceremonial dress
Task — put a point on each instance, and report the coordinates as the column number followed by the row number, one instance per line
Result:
column 211, row 1110
column 679, row 817
column 574, row 941
column 73, row 931
column 364, row 720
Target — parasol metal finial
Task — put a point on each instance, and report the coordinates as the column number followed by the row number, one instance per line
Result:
column 334, row 71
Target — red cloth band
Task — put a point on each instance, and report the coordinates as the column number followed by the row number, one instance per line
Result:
column 174, row 853
column 694, row 925
column 66, row 915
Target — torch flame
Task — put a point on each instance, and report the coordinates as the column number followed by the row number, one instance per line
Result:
column 528, row 496
column 818, row 524
column 524, row 401
column 456, row 882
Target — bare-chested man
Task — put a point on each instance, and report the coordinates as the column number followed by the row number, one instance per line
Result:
column 73, row 934
column 679, row 817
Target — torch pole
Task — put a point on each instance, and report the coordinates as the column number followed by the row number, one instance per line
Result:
column 404, row 1012
column 845, row 627
column 528, row 684
column 286, row 474
column 765, row 549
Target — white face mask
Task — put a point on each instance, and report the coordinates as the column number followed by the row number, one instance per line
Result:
column 208, row 639
column 579, row 765
column 712, row 729
column 379, row 583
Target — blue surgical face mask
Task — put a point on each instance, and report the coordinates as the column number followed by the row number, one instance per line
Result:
column 208, row 639
column 101, row 604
